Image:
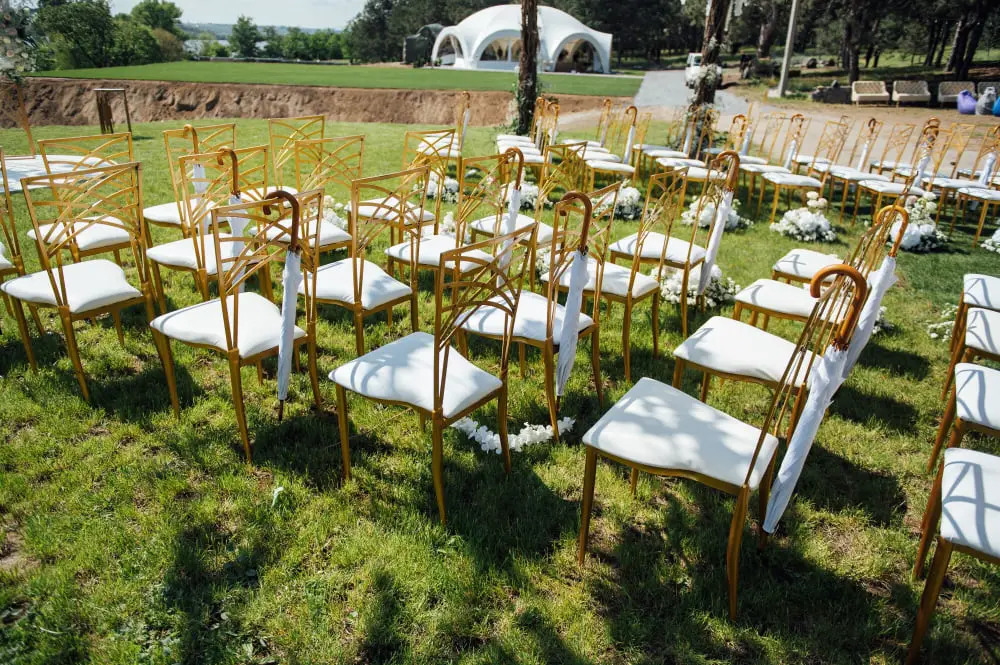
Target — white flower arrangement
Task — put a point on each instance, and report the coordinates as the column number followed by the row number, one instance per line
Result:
column 628, row 207
column 529, row 196
column 489, row 441
column 717, row 293
column 808, row 224
column 942, row 328
column 332, row 214
column 733, row 221
column 921, row 234
column 450, row 189
column 882, row 324
column 992, row 244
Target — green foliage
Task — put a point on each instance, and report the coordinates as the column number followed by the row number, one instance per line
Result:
column 171, row 48
column 134, row 43
column 244, row 37
column 79, row 32
column 159, row 14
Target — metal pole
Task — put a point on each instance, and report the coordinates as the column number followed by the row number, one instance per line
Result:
column 786, row 60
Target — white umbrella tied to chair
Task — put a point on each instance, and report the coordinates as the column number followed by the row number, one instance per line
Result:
column 793, row 150
column 513, row 206
column 987, row 173
column 578, row 277
column 291, row 278
column 629, row 145
column 745, row 147
column 878, row 283
column 714, row 242
column 864, row 156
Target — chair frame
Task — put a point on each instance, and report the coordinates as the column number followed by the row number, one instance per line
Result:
column 8, row 234
column 794, row 133
column 283, row 133
column 320, row 163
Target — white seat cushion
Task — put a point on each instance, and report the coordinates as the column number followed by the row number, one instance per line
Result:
column 762, row 168
column 329, row 234
column 530, row 158
column 616, row 279
column 980, row 193
column 90, row 285
column 792, row 180
column 5, row 264
column 750, row 159
column 804, row 263
column 513, row 138
column 981, row 291
column 983, row 330
column 970, row 500
column 430, row 250
column 181, row 254
column 723, row 344
column 376, row 208
column 94, row 236
column 907, row 170
column 652, row 248
column 666, row 154
column 164, row 213
column 888, row 164
column 614, row 167
column 947, row 183
column 524, row 149
column 259, row 324
column 977, row 397
column 529, row 323
column 700, row 174
column 854, row 175
column 403, row 372
column 809, row 159
column 486, row 225
column 890, row 188
column 781, row 297
column 659, row 426
column 335, row 283
column 679, row 161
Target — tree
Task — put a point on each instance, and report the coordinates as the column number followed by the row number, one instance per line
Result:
column 171, row 48
column 273, row 48
column 133, row 43
column 244, row 37
column 81, row 32
column 715, row 28
column 527, row 79
column 159, row 14
column 773, row 11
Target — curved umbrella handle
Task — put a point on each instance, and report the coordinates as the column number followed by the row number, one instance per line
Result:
column 588, row 211
column 516, row 154
column 294, row 205
column 843, row 336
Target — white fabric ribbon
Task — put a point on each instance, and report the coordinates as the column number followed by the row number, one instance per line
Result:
column 688, row 137
column 628, row 145
column 465, row 128
column 291, row 279
column 721, row 215
column 604, row 130
column 237, row 225
column 745, row 147
column 984, row 177
column 200, row 181
column 864, row 156
column 509, row 226
column 571, row 321
column 792, row 151
column 825, row 379
column 918, row 180
column 878, row 283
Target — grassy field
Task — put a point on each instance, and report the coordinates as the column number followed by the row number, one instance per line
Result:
column 354, row 77
column 132, row 537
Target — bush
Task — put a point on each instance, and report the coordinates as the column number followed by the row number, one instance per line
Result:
column 171, row 48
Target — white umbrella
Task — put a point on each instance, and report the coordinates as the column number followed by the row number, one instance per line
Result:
column 825, row 379
column 571, row 321
column 878, row 283
column 291, row 278
column 987, row 173
column 864, row 156
column 465, row 128
column 745, row 148
column 509, row 225
column 919, row 178
column 628, row 145
column 721, row 215
column 793, row 150
column 237, row 225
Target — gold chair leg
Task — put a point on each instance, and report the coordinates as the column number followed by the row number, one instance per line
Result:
column 942, row 433
column 939, row 567
column 522, row 353
column 345, row 430
column 706, row 382
column 959, row 322
column 161, row 298
column 414, row 312
column 956, row 357
column 74, row 353
column 22, row 327
column 733, row 550
column 313, row 370
column 595, row 362
column 929, row 525
column 589, row 476
column 982, row 223
column 737, row 311
column 117, row 319
column 633, row 481
column 241, row 415
column 359, row 332
column 260, row 372
column 684, row 302
column 774, row 206
column 626, row 330
column 678, row 373
column 656, row 325
column 502, row 428
column 763, row 494
column 167, row 360
column 437, row 466
column 37, row 319
column 550, row 390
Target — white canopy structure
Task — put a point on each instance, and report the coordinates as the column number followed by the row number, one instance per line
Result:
column 491, row 39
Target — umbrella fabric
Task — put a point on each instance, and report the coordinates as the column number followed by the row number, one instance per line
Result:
column 721, row 215
column 793, row 150
column 291, row 278
column 921, row 168
column 745, row 148
column 509, row 226
column 878, row 283
column 629, row 144
column 465, row 128
column 571, row 322
column 237, row 225
column 688, row 137
column 864, row 156
column 987, row 173
column 826, row 378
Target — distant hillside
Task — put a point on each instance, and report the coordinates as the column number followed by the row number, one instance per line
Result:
column 222, row 30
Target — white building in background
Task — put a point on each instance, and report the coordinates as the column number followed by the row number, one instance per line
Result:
column 491, row 39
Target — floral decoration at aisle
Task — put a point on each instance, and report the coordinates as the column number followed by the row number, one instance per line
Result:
column 734, row 222
column 489, row 441
column 922, row 234
column 718, row 292
column 942, row 328
column 628, row 207
column 992, row 244
column 807, row 224
column 448, row 193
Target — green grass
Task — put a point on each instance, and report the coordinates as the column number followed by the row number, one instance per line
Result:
column 353, row 77
column 132, row 537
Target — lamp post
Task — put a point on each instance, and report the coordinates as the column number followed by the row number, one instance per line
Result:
column 786, row 60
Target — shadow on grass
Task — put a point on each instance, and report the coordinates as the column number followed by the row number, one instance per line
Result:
column 895, row 361
column 863, row 408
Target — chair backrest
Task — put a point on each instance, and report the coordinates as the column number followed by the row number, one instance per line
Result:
column 329, row 163
column 603, row 125
column 737, row 130
column 641, row 130
column 895, row 145
column 911, row 87
column 868, row 251
column 558, row 173
column 109, row 197
column 80, row 153
column 928, row 132
column 475, row 283
column 990, row 144
column 463, row 114
column 484, row 190
column 840, row 293
column 626, row 129
column 664, row 202
column 188, row 140
column 831, row 142
column 13, row 110
column 283, row 133
column 271, row 226
column 700, row 132
column 962, row 135
column 955, row 87
column 864, row 142
column 795, row 133
column 391, row 202
column 8, row 230
column 571, row 228
column 603, row 203
column 551, row 126
column 770, row 128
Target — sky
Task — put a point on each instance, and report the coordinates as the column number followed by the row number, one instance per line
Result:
column 297, row 13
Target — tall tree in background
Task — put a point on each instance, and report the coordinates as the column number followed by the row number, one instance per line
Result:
column 715, row 29
column 81, row 32
column 244, row 37
column 527, row 81
column 159, row 14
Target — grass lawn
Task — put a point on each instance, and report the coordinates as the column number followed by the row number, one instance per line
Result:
column 127, row 536
column 354, row 77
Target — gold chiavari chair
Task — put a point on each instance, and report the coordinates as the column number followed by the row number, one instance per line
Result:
column 540, row 318
column 397, row 373
column 283, row 134
column 765, row 133
column 64, row 209
column 390, row 204
column 535, row 161
column 186, row 140
column 960, row 182
column 935, row 146
column 892, row 157
column 533, row 140
column 613, row 165
column 658, row 429
column 206, row 181
column 855, row 165
column 69, row 157
column 463, row 114
column 794, row 134
column 11, row 259
column 892, row 152
column 698, row 138
column 734, row 138
column 242, row 325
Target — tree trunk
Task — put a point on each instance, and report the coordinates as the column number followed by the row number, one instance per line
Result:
column 942, row 42
column 975, row 34
column 868, row 55
column 932, row 42
column 958, row 45
column 715, row 29
column 527, row 83
column 768, row 31
column 878, row 52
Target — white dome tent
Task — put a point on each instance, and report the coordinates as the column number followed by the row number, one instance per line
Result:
column 491, row 39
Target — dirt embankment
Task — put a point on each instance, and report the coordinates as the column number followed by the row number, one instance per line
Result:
column 54, row 101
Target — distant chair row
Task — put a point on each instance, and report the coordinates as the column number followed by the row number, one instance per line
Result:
column 913, row 92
